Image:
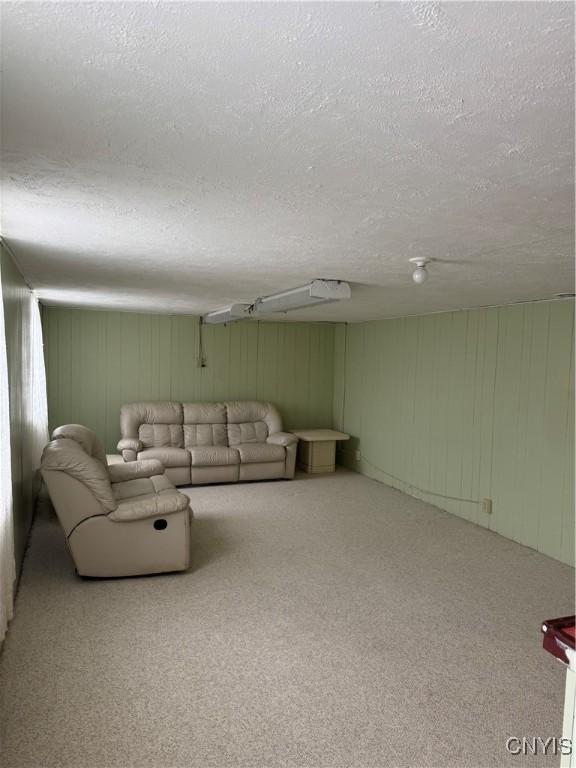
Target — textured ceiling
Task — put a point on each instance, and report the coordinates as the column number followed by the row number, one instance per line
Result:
column 182, row 156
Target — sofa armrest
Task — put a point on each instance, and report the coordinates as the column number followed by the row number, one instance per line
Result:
column 282, row 438
column 129, row 447
column 132, row 470
column 159, row 505
column 130, row 444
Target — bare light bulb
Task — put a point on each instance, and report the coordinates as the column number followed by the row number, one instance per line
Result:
column 420, row 275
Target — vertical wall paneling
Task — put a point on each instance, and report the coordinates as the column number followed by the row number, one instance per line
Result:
column 465, row 405
column 339, row 363
column 98, row 360
column 468, row 405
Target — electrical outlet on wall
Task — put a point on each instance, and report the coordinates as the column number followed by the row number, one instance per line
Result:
column 358, row 455
column 487, row 506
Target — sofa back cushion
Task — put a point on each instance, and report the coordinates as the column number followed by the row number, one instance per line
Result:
column 160, row 435
column 155, row 424
column 251, row 421
column 247, row 432
column 166, row 424
column 204, row 424
column 88, row 440
column 69, row 457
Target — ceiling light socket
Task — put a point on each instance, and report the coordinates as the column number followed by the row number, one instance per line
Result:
column 420, row 274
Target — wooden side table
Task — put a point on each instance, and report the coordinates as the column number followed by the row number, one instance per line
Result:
column 317, row 449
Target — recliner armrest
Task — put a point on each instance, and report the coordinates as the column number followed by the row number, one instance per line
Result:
column 130, row 444
column 151, row 506
column 282, row 438
column 132, row 470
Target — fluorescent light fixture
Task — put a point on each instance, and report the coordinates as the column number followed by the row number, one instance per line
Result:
column 309, row 295
column 229, row 314
column 312, row 294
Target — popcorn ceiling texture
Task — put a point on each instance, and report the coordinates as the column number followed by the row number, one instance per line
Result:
column 181, row 156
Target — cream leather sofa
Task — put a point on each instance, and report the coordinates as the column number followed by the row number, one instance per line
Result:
column 119, row 520
column 201, row 443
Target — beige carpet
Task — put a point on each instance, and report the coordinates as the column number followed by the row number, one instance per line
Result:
column 329, row 621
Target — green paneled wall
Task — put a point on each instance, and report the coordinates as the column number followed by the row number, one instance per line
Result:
column 469, row 405
column 95, row 361
column 466, row 405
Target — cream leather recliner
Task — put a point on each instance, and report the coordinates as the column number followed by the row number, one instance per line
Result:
column 202, row 443
column 119, row 520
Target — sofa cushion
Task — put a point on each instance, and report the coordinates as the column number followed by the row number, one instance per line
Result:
column 154, row 505
column 204, row 424
column 251, row 421
column 170, row 457
column 256, row 453
column 132, row 415
column 121, row 472
column 85, row 437
column 160, row 435
column 243, row 411
column 205, row 434
column 248, row 432
column 162, row 484
column 141, row 486
column 68, row 456
column 204, row 413
column 214, row 456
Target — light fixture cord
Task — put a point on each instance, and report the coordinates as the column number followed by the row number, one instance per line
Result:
column 201, row 358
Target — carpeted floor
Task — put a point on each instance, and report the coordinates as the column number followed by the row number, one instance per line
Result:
column 329, row 621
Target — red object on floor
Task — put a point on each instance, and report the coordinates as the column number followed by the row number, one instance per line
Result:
column 559, row 636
